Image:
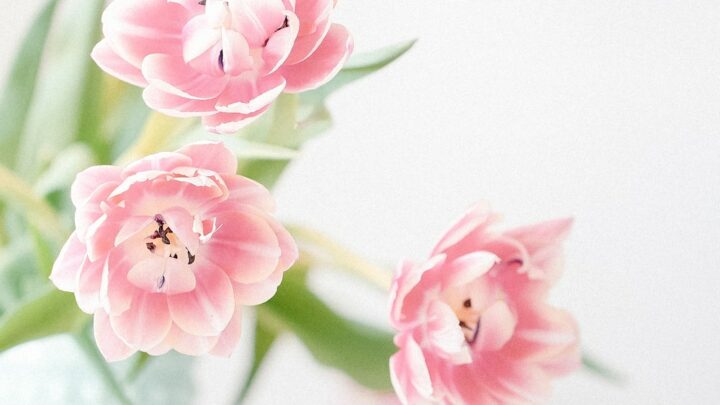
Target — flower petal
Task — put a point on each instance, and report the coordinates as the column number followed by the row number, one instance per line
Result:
column 497, row 325
column 244, row 246
column 207, row 309
column 246, row 95
column 113, row 64
column 162, row 275
column 176, row 106
column 213, row 156
column 146, row 323
column 111, row 346
column 171, row 75
column 322, row 65
column 68, row 263
column 230, row 337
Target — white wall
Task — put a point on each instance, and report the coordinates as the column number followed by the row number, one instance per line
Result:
column 608, row 111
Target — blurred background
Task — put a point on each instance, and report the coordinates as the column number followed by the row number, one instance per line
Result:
column 605, row 111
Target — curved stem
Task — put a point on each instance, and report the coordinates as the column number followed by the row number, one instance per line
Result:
column 88, row 346
column 342, row 257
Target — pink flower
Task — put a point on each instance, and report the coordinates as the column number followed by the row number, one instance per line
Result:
column 473, row 323
column 168, row 250
column 223, row 60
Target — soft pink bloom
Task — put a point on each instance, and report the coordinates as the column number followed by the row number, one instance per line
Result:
column 473, row 323
column 169, row 249
column 223, row 60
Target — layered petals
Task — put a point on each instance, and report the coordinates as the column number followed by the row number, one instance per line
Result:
column 225, row 61
column 473, row 322
column 170, row 249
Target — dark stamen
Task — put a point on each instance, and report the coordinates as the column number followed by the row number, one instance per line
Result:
column 464, row 325
column 475, row 335
column 221, row 62
column 201, row 2
column 191, row 257
column 159, row 219
column 150, row 246
column 174, row 255
column 467, row 303
column 165, row 239
column 161, row 282
column 285, row 24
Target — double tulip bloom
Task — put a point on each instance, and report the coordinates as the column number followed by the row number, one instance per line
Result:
column 473, row 323
column 169, row 249
column 222, row 60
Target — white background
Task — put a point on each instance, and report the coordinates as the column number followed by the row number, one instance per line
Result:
column 608, row 111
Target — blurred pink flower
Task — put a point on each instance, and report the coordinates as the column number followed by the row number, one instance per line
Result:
column 473, row 323
column 223, row 60
column 168, row 250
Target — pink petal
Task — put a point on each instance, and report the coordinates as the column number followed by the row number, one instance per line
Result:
column 171, row 75
column 111, row 347
column 162, row 274
column 113, row 64
column 207, row 309
column 181, row 222
column 244, row 246
column 243, row 192
column 199, row 35
column 445, row 334
column 469, row 267
column 163, row 161
column 230, row 337
column 314, row 18
column 247, row 95
column 409, row 373
column 538, row 236
column 131, row 227
column 116, row 292
column 191, row 345
column 237, row 57
column 91, row 209
column 134, row 31
column 260, row 292
column 228, row 123
column 405, row 281
column 497, row 325
column 256, row 20
column 322, row 65
column 89, row 280
column 176, row 106
column 478, row 217
column 146, row 323
column 280, row 44
column 67, row 265
column 213, row 156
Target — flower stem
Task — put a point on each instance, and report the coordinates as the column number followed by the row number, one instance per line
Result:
column 157, row 135
column 108, row 376
column 342, row 257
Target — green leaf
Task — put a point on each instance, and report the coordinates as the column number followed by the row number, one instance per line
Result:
column 265, row 334
column 243, row 148
column 50, row 313
column 141, row 361
column 601, row 370
column 63, row 169
column 59, row 104
column 19, row 275
column 359, row 66
column 37, row 212
column 361, row 351
column 18, row 93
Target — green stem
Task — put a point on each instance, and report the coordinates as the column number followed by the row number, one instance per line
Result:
column 107, row 375
column 157, row 135
column 342, row 257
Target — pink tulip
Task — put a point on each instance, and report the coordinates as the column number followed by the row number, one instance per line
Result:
column 222, row 60
column 168, row 250
column 473, row 323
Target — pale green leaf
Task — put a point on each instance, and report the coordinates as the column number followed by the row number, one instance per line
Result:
column 265, row 335
column 359, row 66
column 361, row 351
column 20, row 86
column 47, row 314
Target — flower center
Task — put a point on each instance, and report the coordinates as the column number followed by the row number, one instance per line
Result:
column 469, row 321
column 163, row 242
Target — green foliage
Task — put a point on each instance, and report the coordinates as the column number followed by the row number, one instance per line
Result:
column 47, row 314
column 361, row 351
column 266, row 332
column 18, row 93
